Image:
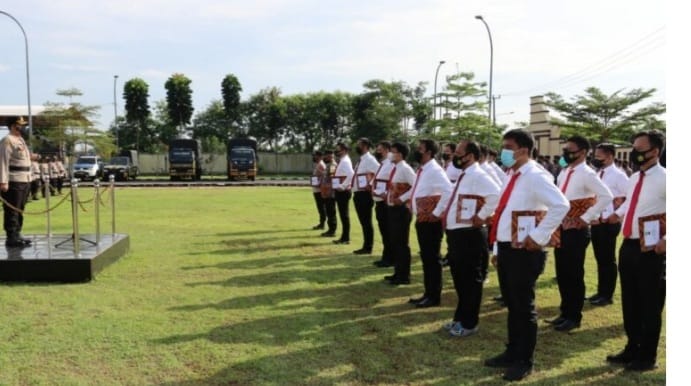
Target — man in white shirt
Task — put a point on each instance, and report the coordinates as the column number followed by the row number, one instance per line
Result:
column 642, row 262
column 464, row 209
column 315, row 181
column 588, row 196
column 379, row 192
column 430, row 183
column 447, row 157
column 342, row 180
column 482, row 162
column 529, row 196
column 491, row 162
column 399, row 216
column 363, row 175
column 603, row 234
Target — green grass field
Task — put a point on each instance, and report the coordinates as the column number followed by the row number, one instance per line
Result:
column 229, row 286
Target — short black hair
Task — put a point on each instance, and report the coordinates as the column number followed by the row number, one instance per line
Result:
column 401, row 148
column 385, row 144
column 484, row 150
column 493, row 153
column 343, row 146
column 318, row 153
column 365, row 141
column 580, row 141
column 656, row 138
column 473, row 148
column 607, row 148
column 522, row 138
column 328, row 152
column 431, row 146
column 451, row 145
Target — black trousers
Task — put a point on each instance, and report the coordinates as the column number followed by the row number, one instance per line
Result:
column 643, row 282
column 330, row 209
column 485, row 256
column 569, row 259
column 467, row 250
column 16, row 195
column 604, row 238
column 59, row 184
column 429, row 236
column 399, row 218
column 382, row 212
column 35, row 185
column 521, row 269
column 342, row 201
column 363, row 206
column 321, row 209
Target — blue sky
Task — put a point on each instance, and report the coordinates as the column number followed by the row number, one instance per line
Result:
column 308, row 45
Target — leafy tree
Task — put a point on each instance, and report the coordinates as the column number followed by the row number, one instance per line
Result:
column 210, row 126
column 163, row 126
column 137, row 112
column 379, row 112
column 265, row 114
column 230, row 89
column 179, row 100
column 606, row 118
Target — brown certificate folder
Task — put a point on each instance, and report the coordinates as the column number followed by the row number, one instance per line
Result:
column 479, row 203
column 649, row 234
column 576, row 209
column 520, row 229
column 425, row 206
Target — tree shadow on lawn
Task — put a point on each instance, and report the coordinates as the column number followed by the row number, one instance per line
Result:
column 257, row 245
column 257, row 262
column 262, row 232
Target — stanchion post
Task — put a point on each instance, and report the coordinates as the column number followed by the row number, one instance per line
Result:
column 46, row 193
column 112, row 202
column 97, row 199
column 75, row 216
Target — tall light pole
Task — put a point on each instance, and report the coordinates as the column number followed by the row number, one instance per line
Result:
column 28, row 83
column 115, row 113
column 434, row 104
column 494, row 110
column 491, row 63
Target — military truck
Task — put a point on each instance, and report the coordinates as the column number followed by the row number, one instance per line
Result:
column 242, row 158
column 184, row 159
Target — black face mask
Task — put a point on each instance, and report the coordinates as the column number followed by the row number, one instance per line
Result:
column 315, row 160
column 638, row 158
column 445, row 156
column 379, row 156
column 359, row 151
column 569, row 157
column 458, row 162
column 598, row 163
column 417, row 156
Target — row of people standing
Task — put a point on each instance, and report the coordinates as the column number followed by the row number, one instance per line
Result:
column 520, row 217
column 47, row 167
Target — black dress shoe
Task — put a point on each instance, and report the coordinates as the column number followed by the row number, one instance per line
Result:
column 328, row 234
column 341, row 242
column 624, row 357
column 428, row 302
column 641, row 365
column 382, row 264
column 417, row 300
column 25, row 241
column 398, row 281
column 518, row 371
column 389, row 277
column 567, row 325
column 362, row 251
column 590, row 299
column 501, row 360
column 601, row 301
column 556, row 321
column 14, row 243
column 318, row 226
column 498, row 298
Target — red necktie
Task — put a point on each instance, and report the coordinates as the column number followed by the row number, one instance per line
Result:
column 502, row 205
column 417, row 178
column 448, row 206
column 632, row 206
column 352, row 181
column 389, row 185
column 566, row 184
column 602, row 173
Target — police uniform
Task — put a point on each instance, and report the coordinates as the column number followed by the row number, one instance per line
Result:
column 15, row 170
column 35, row 179
column 315, row 181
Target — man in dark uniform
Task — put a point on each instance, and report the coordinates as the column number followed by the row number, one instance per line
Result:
column 15, row 180
column 327, row 193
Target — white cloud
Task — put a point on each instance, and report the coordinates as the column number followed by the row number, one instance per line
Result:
column 4, row 67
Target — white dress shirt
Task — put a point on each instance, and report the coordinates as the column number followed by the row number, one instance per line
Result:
column 616, row 180
column 366, row 165
column 477, row 182
column 652, row 198
column 431, row 180
column 452, row 172
column 585, row 183
column 490, row 171
column 344, row 169
column 499, row 172
column 381, row 179
column 403, row 174
column 533, row 191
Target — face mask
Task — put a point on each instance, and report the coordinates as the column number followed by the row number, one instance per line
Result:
column 445, row 156
column 568, row 156
column 417, row 156
column 314, row 159
column 458, row 162
column 378, row 156
column 638, row 157
column 598, row 163
column 562, row 162
column 507, row 158
column 359, row 151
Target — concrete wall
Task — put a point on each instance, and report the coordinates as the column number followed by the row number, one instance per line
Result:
column 215, row 164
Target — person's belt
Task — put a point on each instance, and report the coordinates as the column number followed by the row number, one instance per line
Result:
column 20, row 168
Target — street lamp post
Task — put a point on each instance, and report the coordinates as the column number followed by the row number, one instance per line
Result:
column 28, row 83
column 494, row 110
column 434, row 104
column 491, row 63
column 115, row 113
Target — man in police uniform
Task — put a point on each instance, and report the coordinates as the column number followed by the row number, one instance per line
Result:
column 15, row 179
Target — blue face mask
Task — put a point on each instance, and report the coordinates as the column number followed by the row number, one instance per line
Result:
column 507, row 158
column 562, row 162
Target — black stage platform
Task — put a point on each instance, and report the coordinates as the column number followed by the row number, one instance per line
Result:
column 53, row 260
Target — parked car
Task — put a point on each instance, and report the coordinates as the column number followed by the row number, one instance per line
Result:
column 122, row 168
column 87, row 167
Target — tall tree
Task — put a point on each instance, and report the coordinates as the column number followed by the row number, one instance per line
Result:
column 265, row 115
column 379, row 112
column 210, row 126
column 179, row 100
column 137, row 112
column 606, row 118
column 230, row 89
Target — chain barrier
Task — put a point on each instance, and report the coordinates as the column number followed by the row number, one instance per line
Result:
column 25, row 212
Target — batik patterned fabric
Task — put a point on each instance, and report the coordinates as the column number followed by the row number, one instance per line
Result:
column 425, row 206
column 662, row 218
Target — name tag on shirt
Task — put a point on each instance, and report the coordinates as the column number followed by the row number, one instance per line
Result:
column 362, row 181
column 335, row 183
column 315, row 181
column 380, row 187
